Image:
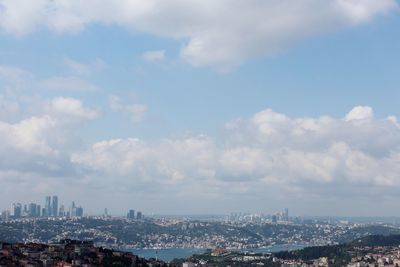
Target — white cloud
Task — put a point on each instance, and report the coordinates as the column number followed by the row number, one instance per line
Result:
column 152, row 56
column 35, row 150
column 318, row 156
column 70, row 107
column 360, row 113
column 267, row 154
column 27, row 135
column 221, row 33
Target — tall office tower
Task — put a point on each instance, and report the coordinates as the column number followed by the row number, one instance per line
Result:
column 61, row 212
column 17, row 210
column 139, row 215
column 286, row 214
column 32, row 210
column 25, row 211
column 72, row 212
column 48, row 206
column 79, row 211
column 38, row 210
column 54, row 206
column 5, row 215
column 105, row 212
column 131, row 215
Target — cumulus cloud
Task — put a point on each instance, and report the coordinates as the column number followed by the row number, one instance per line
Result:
column 70, row 107
column 320, row 156
column 28, row 134
column 34, row 150
column 268, row 153
column 221, row 34
column 360, row 113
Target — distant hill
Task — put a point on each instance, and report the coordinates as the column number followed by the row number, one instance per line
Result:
column 339, row 253
column 377, row 240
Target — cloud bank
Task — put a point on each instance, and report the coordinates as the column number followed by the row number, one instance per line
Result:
column 318, row 156
column 221, row 34
column 270, row 153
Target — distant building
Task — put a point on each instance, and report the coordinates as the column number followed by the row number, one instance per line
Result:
column 5, row 215
column 38, row 210
column 76, row 211
column 79, row 212
column 286, row 214
column 139, row 215
column 61, row 211
column 131, row 215
column 47, row 206
column 54, row 206
column 32, row 210
column 72, row 212
column 17, row 210
column 188, row 264
column 219, row 252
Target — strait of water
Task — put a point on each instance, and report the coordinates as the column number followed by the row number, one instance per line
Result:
column 174, row 253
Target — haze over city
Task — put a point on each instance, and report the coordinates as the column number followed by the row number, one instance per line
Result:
column 201, row 107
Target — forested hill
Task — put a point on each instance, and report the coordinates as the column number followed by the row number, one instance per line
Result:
column 340, row 253
column 377, row 240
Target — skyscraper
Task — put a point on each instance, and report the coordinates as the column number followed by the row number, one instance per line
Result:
column 54, row 206
column 139, row 215
column 72, row 212
column 32, row 210
column 61, row 211
column 79, row 211
column 131, row 215
column 48, row 206
column 38, row 210
column 5, row 215
column 17, row 210
column 286, row 214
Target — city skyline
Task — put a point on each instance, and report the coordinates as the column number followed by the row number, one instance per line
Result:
column 201, row 107
column 50, row 208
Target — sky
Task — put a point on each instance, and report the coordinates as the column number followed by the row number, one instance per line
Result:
column 201, row 107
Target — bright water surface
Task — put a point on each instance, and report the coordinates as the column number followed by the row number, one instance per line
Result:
column 173, row 253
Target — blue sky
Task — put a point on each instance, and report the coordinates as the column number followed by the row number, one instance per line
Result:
column 178, row 99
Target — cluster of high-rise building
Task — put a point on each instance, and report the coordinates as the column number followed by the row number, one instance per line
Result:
column 51, row 208
column 132, row 216
column 282, row 216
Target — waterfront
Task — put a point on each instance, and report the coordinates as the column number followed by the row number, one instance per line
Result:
column 167, row 254
column 174, row 253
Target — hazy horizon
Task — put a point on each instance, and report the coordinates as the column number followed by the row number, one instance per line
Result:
column 201, row 107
